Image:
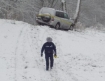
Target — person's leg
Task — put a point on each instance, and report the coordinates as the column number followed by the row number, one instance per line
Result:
column 51, row 61
column 47, row 62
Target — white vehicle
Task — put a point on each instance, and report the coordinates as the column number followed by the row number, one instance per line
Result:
column 55, row 18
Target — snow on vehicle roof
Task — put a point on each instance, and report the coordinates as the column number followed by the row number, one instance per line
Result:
column 47, row 10
column 50, row 9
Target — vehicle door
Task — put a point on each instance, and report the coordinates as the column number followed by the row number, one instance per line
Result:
column 60, row 18
column 67, row 22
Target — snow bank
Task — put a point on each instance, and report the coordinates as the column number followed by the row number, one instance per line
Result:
column 81, row 55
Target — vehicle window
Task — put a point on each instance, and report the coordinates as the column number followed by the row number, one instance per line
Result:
column 66, row 16
column 60, row 14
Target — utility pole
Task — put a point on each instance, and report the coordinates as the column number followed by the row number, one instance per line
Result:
column 63, row 5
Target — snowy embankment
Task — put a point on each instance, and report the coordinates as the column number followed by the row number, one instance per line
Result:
column 81, row 55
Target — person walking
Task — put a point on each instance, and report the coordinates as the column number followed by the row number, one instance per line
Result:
column 49, row 49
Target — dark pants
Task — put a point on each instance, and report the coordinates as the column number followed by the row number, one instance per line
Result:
column 49, row 57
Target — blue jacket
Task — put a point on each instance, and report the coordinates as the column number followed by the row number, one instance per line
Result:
column 48, row 48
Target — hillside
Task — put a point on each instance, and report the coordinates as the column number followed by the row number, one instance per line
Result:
column 81, row 55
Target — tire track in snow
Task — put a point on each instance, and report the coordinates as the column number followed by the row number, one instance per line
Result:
column 32, row 40
column 28, row 55
column 36, row 46
column 16, row 49
column 21, row 55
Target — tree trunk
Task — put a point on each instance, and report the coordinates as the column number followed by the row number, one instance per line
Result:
column 76, row 16
column 63, row 5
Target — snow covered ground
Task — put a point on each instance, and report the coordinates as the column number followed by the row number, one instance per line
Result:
column 81, row 55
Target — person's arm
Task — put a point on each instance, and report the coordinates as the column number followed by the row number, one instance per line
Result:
column 54, row 49
column 43, row 47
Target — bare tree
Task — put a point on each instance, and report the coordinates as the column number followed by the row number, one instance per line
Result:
column 63, row 5
column 76, row 16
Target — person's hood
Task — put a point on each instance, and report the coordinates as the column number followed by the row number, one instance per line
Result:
column 49, row 39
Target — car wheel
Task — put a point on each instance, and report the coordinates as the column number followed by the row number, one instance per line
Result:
column 71, row 27
column 57, row 26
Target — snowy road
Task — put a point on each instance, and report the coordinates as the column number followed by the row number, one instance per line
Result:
column 81, row 55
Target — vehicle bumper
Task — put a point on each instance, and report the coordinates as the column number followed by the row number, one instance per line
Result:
column 51, row 23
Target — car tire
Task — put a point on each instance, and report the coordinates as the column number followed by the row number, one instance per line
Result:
column 57, row 26
column 71, row 27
